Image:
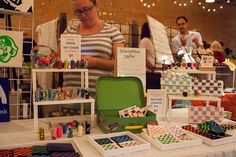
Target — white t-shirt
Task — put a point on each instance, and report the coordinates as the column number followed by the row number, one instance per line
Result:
column 150, row 51
column 176, row 42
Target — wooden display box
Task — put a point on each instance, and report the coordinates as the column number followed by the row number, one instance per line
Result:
column 216, row 142
column 182, row 144
column 142, row 146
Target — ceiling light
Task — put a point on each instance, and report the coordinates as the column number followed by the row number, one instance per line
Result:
column 175, row 2
column 144, row 4
column 203, row 7
column 185, row 4
column 221, row 7
column 214, row 9
column 191, row 1
column 153, row 4
column 210, row 1
column 148, row 6
column 199, row 3
column 180, row 4
column 141, row 0
column 209, row 10
column 228, row 1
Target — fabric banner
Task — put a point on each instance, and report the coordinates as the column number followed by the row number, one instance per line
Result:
column 4, row 100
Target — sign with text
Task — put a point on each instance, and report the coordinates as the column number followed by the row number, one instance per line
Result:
column 160, row 41
column 157, row 100
column 70, row 47
column 4, row 100
column 132, row 62
column 17, row 5
column 11, row 43
column 207, row 61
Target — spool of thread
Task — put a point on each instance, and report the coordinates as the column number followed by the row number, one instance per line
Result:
column 64, row 128
column 41, row 134
column 87, row 127
column 53, row 133
column 80, row 130
column 59, row 131
column 69, row 132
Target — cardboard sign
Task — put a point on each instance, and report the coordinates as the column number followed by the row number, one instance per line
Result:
column 207, row 61
column 11, row 44
column 132, row 62
column 4, row 100
column 157, row 100
column 70, row 47
column 160, row 41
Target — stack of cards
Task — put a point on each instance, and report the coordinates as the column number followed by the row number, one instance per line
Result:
column 132, row 111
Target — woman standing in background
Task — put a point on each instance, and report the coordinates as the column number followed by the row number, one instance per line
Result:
column 152, row 78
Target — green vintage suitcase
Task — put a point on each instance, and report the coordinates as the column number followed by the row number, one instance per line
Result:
column 117, row 93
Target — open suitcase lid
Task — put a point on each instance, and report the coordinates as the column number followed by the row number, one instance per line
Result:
column 119, row 92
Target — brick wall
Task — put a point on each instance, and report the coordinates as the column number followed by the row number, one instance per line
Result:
column 220, row 25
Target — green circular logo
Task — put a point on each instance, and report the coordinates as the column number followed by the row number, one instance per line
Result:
column 8, row 49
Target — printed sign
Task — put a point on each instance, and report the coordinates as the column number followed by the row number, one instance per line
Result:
column 11, row 44
column 17, row 5
column 157, row 100
column 4, row 100
column 207, row 61
column 132, row 62
column 160, row 40
column 70, row 47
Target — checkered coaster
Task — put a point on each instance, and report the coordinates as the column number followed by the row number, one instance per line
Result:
column 155, row 130
column 19, row 152
column 167, row 139
column 60, row 147
column 40, row 150
column 208, row 87
column 110, row 146
column 120, row 139
column 6, row 153
column 68, row 154
column 128, row 144
column 201, row 114
column 102, row 141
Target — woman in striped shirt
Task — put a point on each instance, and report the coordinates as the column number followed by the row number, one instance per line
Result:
column 99, row 42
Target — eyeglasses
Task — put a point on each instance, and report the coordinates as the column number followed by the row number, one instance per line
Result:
column 85, row 10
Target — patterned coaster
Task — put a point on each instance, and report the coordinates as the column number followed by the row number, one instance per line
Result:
column 176, row 131
column 60, row 147
column 68, row 154
column 120, row 139
column 155, row 130
column 40, row 150
column 6, row 153
column 19, row 152
column 128, row 144
column 103, row 141
column 167, row 139
column 110, row 146
column 190, row 128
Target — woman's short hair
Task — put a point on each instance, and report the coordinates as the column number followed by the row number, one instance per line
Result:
column 216, row 46
column 145, row 31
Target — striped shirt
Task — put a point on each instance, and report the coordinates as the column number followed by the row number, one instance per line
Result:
column 97, row 45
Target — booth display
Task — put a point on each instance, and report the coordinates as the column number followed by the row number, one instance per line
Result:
column 118, row 143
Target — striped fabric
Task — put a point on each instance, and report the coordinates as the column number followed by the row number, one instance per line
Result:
column 97, row 45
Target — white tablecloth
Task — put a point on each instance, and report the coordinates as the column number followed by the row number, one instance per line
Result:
column 21, row 131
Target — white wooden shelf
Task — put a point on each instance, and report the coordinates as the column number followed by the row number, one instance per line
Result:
column 81, row 101
column 59, row 70
column 72, row 101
